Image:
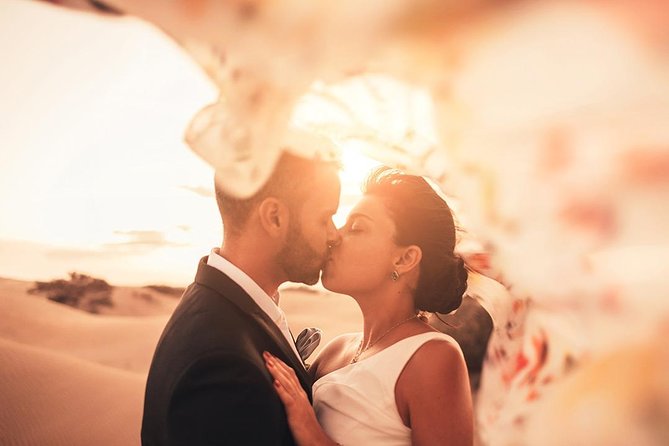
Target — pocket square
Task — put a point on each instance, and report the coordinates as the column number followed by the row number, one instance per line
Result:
column 307, row 341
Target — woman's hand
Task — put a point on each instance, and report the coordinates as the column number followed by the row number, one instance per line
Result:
column 301, row 417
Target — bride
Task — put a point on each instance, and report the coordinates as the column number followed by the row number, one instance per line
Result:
column 398, row 382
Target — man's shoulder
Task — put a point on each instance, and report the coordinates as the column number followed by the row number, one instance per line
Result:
column 202, row 299
column 204, row 320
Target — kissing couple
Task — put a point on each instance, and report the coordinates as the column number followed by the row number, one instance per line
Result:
column 226, row 369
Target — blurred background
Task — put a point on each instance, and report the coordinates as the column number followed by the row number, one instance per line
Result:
column 544, row 124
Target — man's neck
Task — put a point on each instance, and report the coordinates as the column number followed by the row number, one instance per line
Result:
column 249, row 259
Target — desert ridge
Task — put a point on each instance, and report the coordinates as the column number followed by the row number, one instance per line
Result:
column 122, row 342
column 69, row 377
column 52, row 398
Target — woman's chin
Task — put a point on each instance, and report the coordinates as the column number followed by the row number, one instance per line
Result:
column 327, row 281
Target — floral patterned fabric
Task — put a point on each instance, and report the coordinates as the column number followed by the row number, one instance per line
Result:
column 549, row 123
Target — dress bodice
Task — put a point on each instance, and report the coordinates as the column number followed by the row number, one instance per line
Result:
column 355, row 404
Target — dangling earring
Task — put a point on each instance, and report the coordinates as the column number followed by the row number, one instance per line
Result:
column 394, row 275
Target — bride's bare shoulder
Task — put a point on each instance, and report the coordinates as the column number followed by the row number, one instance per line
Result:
column 335, row 354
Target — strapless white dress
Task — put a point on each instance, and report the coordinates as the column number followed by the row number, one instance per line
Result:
column 355, row 405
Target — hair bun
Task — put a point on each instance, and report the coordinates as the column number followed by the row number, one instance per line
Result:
column 444, row 293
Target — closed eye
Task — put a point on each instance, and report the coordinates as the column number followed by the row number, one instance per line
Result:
column 354, row 227
column 356, row 223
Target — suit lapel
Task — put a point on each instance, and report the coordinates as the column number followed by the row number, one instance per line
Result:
column 222, row 284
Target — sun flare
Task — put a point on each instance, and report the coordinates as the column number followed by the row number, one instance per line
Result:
column 355, row 168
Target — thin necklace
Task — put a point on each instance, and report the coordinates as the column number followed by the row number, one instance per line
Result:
column 371, row 344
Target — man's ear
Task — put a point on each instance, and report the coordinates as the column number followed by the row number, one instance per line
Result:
column 274, row 217
column 408, row 259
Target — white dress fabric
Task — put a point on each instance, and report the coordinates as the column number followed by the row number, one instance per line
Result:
column 355, row 405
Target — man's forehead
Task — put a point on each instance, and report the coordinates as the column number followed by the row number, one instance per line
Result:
column 326, row 180
column 324, row 191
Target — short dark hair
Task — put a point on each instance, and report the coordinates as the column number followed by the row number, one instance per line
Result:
column 290, row 181
column 423, row 218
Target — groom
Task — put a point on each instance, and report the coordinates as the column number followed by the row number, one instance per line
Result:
column 208, row 383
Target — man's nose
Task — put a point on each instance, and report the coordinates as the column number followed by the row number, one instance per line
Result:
column 334, row 237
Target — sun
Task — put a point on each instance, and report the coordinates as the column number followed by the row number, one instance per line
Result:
column 356, row 167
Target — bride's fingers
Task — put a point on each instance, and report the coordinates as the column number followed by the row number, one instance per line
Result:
column 276, row 361
column 276, row 372
column 288, row 372
column 286, row 397
column 278, row 364
column 283, row 374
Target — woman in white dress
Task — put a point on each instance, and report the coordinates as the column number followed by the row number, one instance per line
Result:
column 399, row 382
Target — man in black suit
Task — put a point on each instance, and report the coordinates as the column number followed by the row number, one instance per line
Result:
column 208, row 383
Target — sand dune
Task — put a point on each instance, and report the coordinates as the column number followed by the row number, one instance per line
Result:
column 53, row 399
column 118, row 341
column 73, row 378
column 133, row 301
column 127, row 342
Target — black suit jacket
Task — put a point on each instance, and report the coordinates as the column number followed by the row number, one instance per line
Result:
column 208, row 384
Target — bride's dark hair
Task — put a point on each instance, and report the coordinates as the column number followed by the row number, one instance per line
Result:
column 423, row 218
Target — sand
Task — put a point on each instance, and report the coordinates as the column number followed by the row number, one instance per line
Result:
column 73, row 378
column 122, row 342
column 54, row 399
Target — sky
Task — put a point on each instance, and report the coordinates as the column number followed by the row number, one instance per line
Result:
column 94, row 174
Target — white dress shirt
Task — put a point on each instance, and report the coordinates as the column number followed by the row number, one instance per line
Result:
column 260, row 297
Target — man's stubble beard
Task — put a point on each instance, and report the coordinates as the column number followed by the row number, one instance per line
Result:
column 300, row 261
